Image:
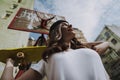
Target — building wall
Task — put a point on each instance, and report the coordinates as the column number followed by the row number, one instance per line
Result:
column 31, row 41
column 12, row 38
column 111, row 58
column 79, row 35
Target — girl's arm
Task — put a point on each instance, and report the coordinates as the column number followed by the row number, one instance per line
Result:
column 8, row 70
column 28, row 75
column 100, row 47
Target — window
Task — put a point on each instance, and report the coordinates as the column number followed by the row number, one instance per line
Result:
column 19, row 1
column 101, row 38
column 118, row 52
column 14, row 6
column 7, row 14
column 114, row 41
column 106, row 62
column 107, row 34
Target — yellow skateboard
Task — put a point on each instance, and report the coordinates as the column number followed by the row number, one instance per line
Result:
column 29, row 54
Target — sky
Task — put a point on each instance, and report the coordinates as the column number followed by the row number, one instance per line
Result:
column 90, row 16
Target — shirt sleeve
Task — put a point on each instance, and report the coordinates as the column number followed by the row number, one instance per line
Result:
column 39, row 67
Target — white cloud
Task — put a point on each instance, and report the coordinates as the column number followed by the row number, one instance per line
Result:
column 83, row 14
column 39, row 6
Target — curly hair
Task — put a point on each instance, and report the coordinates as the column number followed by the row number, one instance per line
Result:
column 56, row 44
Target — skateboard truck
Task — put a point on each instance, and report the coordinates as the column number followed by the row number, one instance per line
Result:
column 19, row 58
column 20, row 55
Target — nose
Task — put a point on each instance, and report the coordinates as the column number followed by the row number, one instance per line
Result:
column 70, row 26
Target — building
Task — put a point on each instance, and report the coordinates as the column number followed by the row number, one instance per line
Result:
column 31, row 41
column 111, row 58
column 12, row 38
column 79, row 35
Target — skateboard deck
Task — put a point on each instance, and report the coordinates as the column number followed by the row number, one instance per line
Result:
column 30, row 53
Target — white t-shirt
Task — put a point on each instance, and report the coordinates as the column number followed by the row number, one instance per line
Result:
column 79, row 64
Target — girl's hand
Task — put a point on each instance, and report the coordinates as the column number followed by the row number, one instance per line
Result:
column 101, row 48
column 9, row 63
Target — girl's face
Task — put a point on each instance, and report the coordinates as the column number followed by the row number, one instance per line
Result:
column 67, row 31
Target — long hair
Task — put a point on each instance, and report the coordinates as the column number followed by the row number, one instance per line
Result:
column 56, row 44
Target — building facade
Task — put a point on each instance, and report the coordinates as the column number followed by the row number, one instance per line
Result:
column 31, row 41
column 111, row 57
column 79, row 35
column 12, row 38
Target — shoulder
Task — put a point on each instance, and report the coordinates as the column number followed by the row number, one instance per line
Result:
column 87, row 52
column 82, row 52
